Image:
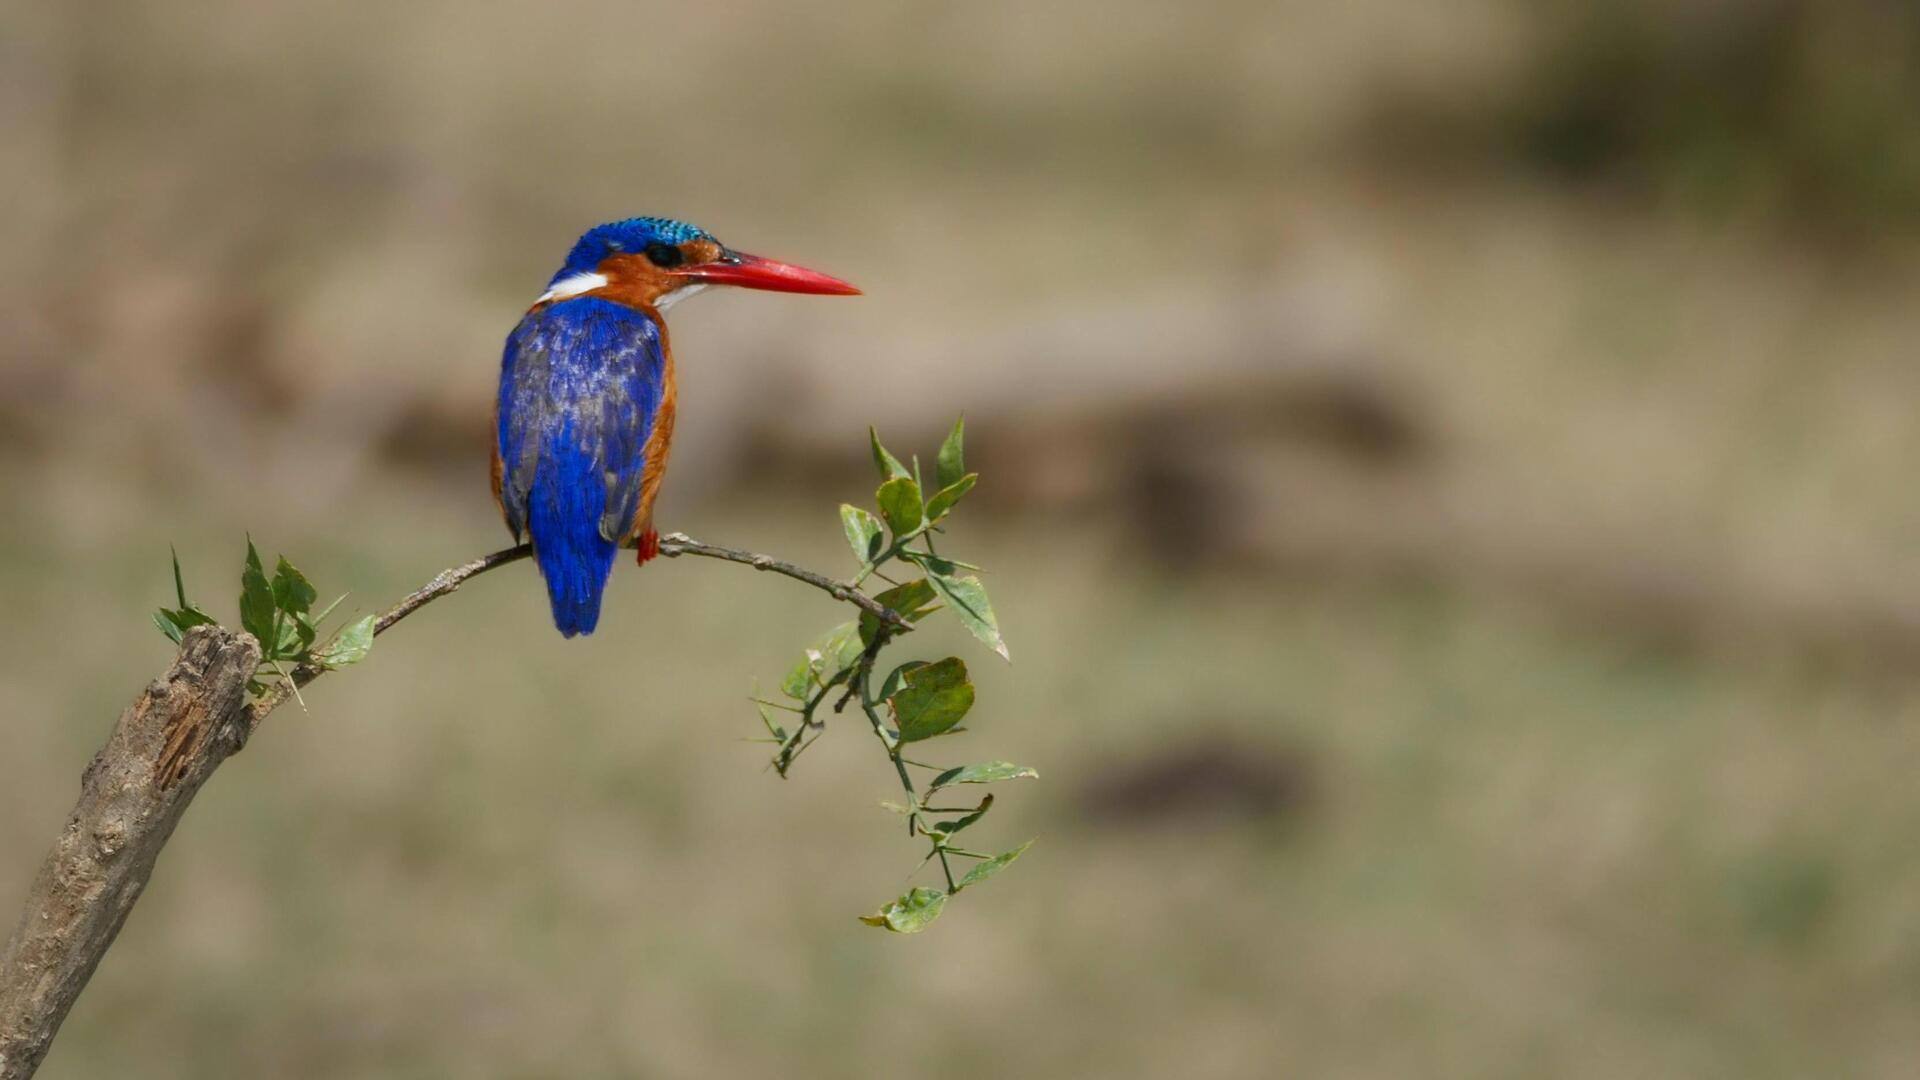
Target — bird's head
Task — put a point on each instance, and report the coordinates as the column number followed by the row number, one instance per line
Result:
column 660, row 261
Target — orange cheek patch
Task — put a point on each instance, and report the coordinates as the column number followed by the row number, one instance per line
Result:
column 633, row 280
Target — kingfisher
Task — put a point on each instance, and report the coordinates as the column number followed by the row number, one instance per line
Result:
column 584, row 420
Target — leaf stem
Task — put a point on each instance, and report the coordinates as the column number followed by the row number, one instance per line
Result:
column 899, row 545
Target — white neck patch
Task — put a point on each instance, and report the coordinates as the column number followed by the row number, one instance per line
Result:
column 586, row 283
column 668, row 299
column 572, row 286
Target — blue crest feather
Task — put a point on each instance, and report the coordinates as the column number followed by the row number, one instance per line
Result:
column 632, row 236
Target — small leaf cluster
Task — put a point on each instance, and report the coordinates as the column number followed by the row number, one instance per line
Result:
column 278, row 612
column 916, row 700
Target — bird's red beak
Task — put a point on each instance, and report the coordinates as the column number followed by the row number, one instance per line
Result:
column 754, row 272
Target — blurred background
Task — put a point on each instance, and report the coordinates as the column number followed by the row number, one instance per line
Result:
column 1446, row 482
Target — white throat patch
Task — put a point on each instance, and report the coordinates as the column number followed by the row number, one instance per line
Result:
column 586, row 283
column 668, row 299
column 572, row 286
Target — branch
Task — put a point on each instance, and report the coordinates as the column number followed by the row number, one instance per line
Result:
column 166, row 746
column 443, row 583
column 674, row 545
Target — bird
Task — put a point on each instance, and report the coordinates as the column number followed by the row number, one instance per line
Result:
column 585, row 414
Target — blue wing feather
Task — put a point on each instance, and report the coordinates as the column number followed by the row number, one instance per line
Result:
column 580, row 388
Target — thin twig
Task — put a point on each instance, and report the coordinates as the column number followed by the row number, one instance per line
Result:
column 445, row 582
column 863, row 667
column 674, row 545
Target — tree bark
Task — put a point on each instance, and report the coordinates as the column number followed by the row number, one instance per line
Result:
column 167, row 743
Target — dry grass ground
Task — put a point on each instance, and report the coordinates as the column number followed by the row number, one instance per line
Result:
column 1517, row 846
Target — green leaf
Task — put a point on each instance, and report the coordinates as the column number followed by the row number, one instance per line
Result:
column 949, row 467
column 944, row 499
column 889, row 466
column 287, row 646
column 863, row 532
column 892, row 682
column 938, row 564
column 349, row 646
column 992, row 866
column 292, row 592
column 899, row 500
column 256, row 599
column 935, row 698
column 911, row 913
column 799, row 680
column 175, row 624
column 326, row 611
column 766, row 717
column 910, row 600
column 179, row 586
column 945, row 829
column 968, row 599
column 836, row 651
column 991, row 772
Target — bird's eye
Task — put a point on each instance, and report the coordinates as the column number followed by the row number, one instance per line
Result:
column 665, row 256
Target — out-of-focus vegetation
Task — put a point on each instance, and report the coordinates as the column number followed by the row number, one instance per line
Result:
column 1450, row 464
column 1799, row 111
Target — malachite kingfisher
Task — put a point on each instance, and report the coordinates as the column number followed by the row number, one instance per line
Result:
column 584, row 420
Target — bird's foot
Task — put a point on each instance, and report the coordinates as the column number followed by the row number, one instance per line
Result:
column 648, row 547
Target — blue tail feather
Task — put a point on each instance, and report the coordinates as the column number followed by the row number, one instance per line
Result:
column 565, row 505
